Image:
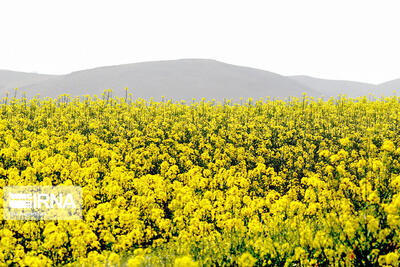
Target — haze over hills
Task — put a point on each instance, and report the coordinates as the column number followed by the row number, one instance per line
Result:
column 185, row 79
column 387, row 88
column 13, row 79
column 336, row 87
column 176, row 79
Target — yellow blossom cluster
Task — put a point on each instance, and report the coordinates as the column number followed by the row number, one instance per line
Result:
column 300, row 181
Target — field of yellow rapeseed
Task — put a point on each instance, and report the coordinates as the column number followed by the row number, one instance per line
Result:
column 270, row 182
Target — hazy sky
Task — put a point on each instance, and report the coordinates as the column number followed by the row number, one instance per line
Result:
column 340, row 39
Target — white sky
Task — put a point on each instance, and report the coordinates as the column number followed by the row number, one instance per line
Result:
column 340, row 39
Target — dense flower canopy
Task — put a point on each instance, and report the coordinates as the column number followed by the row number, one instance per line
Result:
column 267, row 182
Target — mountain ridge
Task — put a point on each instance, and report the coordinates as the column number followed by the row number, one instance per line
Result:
column 184, row 79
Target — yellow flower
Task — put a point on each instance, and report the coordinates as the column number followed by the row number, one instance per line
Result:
column 185, row 261
column 388, row 145
column 246, row 260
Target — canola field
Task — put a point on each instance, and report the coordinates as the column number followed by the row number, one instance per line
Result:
column 295, row 182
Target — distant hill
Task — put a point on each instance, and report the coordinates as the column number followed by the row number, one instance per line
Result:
column 12, row 79
column 335, row 87
column 352, row 89
column 186, row 79
column 176, row 79
column 389, row 87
